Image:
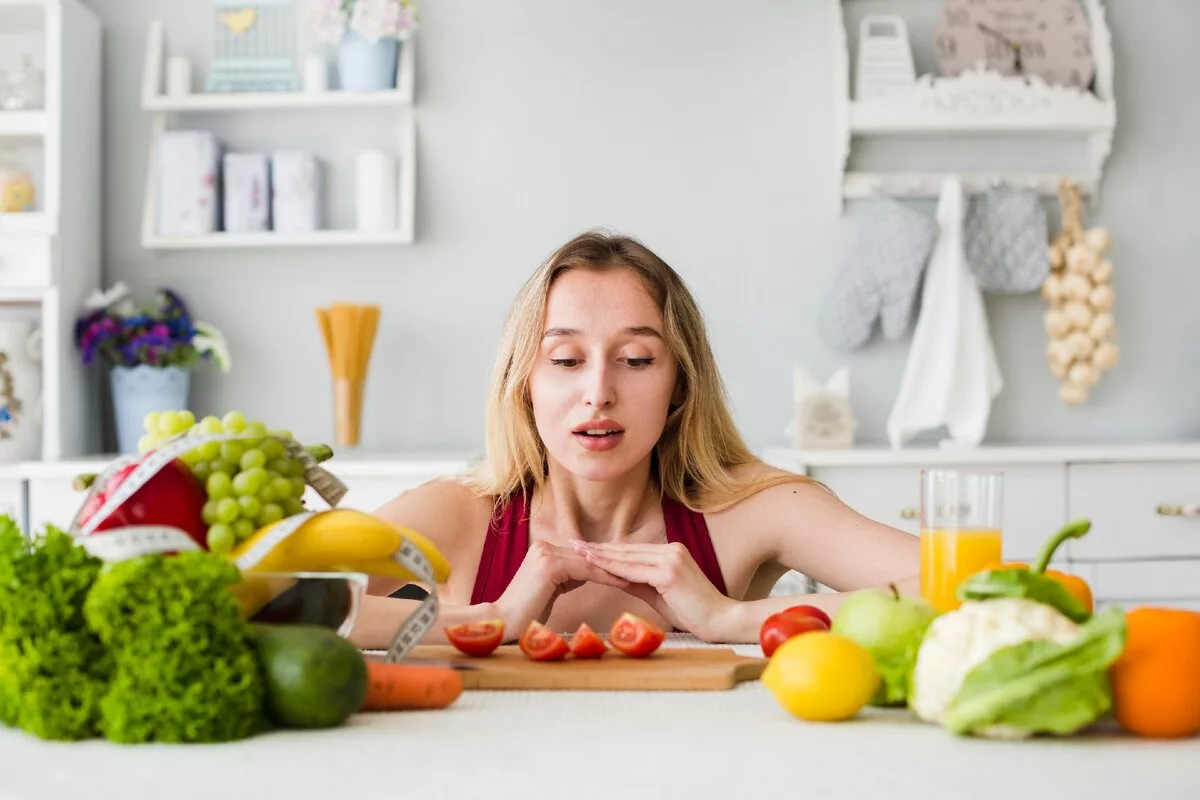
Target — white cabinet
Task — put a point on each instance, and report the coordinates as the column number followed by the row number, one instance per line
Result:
column 1143, row 503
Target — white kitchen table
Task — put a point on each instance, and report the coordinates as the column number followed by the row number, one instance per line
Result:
column 521, row 744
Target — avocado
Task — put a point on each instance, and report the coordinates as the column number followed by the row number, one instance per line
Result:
column 314, row 678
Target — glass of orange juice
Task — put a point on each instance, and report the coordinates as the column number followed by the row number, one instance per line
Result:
column 961, row 530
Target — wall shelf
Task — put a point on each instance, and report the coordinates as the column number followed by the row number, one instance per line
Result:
column 26, row 222
column 22, row 123
column 169, row 111
column 977, row 104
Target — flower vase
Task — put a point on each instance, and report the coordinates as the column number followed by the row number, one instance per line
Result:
column 366, row 66
column 136, row 391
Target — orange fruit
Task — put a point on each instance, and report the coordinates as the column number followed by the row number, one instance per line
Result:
column 1156, row 680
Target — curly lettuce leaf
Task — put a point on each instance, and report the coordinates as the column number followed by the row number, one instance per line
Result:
column 1040, row 686
column 896, row 669
column 53, row 670
column 185, row 668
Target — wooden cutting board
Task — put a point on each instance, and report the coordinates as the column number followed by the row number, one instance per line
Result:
column 668, row 668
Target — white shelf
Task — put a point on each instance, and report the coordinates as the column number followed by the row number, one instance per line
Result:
column 153, row 98
column 22, row 123
column 904, row 114
column 328, row 238
column 26, row 222
column 861, row 184
column 274, row 101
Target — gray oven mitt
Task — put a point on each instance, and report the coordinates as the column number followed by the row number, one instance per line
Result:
column 1004, row 240
column 884, row 255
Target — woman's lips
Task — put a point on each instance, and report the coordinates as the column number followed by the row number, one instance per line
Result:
column 605, row 441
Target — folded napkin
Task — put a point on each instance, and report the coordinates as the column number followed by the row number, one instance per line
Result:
column 951, row 376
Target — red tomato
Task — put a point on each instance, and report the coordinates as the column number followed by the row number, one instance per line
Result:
column 477, row 638
column 778, row 628
column 809, row 611
column 586, row 644
column 542, row 644
column 634, row 636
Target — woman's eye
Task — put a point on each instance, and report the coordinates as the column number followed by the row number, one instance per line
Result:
column 639, row 362
column 564, row 362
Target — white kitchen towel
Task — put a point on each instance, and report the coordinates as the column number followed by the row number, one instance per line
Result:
column 951, row 376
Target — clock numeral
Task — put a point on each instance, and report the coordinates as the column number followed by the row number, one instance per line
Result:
column 947, row 47
column 958, row 18
column 1083, row 45
column 994, row 49
column 1070, row 13
column 1034, row 48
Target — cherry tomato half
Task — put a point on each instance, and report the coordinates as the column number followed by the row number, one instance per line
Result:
column 778, row 628
column 809, row 611
column 586, row 644
column 476, row 638
column 542, row 644
column 634, row 636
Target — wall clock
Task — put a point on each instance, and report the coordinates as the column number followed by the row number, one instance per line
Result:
column 1048, row 38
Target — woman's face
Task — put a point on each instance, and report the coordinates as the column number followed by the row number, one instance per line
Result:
column 603, row 380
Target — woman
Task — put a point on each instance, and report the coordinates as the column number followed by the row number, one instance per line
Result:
column 616, row 481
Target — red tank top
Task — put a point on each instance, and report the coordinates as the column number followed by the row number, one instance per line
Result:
column 507, row 542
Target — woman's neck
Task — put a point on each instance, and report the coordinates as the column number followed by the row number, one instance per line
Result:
column 608, row 511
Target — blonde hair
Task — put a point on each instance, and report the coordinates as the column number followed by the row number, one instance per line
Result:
column 700, row 447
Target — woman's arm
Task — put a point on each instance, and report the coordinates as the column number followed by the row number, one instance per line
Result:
column 448, row 513
column 807, row 529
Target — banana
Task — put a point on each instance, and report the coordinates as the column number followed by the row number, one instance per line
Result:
column 337, row 539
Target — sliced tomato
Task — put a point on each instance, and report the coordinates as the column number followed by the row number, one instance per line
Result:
column 542, row 644
column 635, row 636
column 476, row 638
column 586, row 644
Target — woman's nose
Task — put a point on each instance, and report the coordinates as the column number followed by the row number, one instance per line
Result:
column 599, row 392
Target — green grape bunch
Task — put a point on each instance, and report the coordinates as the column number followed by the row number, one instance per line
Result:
column 250, row 482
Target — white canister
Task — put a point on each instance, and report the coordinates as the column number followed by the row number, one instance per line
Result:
column 20, row 390
column 316, row 74
column 376, row 180
column 179, row 76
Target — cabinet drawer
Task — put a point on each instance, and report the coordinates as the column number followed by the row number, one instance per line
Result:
column 12, row 500
column 52, row 501
column 1143, row 582
column 1034, row 500
column 1124, row 502
column 25, row 261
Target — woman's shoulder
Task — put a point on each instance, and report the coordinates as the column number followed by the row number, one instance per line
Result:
column 445, row 509
column 761, row 490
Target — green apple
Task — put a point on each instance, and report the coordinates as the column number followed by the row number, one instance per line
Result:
column 890, row 627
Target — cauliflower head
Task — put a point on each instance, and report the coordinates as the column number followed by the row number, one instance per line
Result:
column 959, row 640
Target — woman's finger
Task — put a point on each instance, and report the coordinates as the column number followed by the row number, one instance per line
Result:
column 578, row 568
column 650, row 558
column 635, row 573
column 615, row 547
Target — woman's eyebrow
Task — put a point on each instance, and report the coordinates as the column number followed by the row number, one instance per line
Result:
column 637, row 330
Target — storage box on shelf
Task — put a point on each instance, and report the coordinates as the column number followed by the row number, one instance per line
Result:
column 169, row 111
column 50, row 257
column 1143, row 502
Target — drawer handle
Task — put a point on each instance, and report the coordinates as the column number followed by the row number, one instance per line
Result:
column 910, row 513
column 1178, row 511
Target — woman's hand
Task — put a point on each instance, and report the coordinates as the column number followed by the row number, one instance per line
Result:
column 666, row 578
column 547, row 572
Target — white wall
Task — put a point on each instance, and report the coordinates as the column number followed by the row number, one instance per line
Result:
column 701, row 127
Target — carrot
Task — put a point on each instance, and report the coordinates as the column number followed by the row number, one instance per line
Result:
column 397, row 687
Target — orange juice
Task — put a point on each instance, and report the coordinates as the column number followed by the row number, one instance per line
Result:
column 950, row 556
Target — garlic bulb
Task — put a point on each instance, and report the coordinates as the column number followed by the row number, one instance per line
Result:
column 1076, row 286
column 1107, row 355
column 1103, row 272
column 1097, row 239
column 1072, row 393
column 1055, row 256
column 1078, row 314
column 1057, row 325
column 1085, row 373
column 1102, row 326
column 1081, row 258
column 1103, row 297
column 1080, row 345
column 1052, row 288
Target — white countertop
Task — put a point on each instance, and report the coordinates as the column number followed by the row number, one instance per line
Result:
column 985, row 454
column 722, row 744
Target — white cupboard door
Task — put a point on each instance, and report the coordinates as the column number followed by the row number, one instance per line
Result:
column 1137, row 510
column 1034, row 500
column 1171, row 583
column 12, row 501
column 53, row 501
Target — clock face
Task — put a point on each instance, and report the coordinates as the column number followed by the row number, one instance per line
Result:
column 1048, row 38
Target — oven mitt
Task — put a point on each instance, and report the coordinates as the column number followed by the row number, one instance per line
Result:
column 1005, row 238
column 886, row 247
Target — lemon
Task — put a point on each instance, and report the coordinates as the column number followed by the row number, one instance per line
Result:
column 821, row 676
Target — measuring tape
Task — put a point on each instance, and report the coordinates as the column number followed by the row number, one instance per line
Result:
column 132, row 541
